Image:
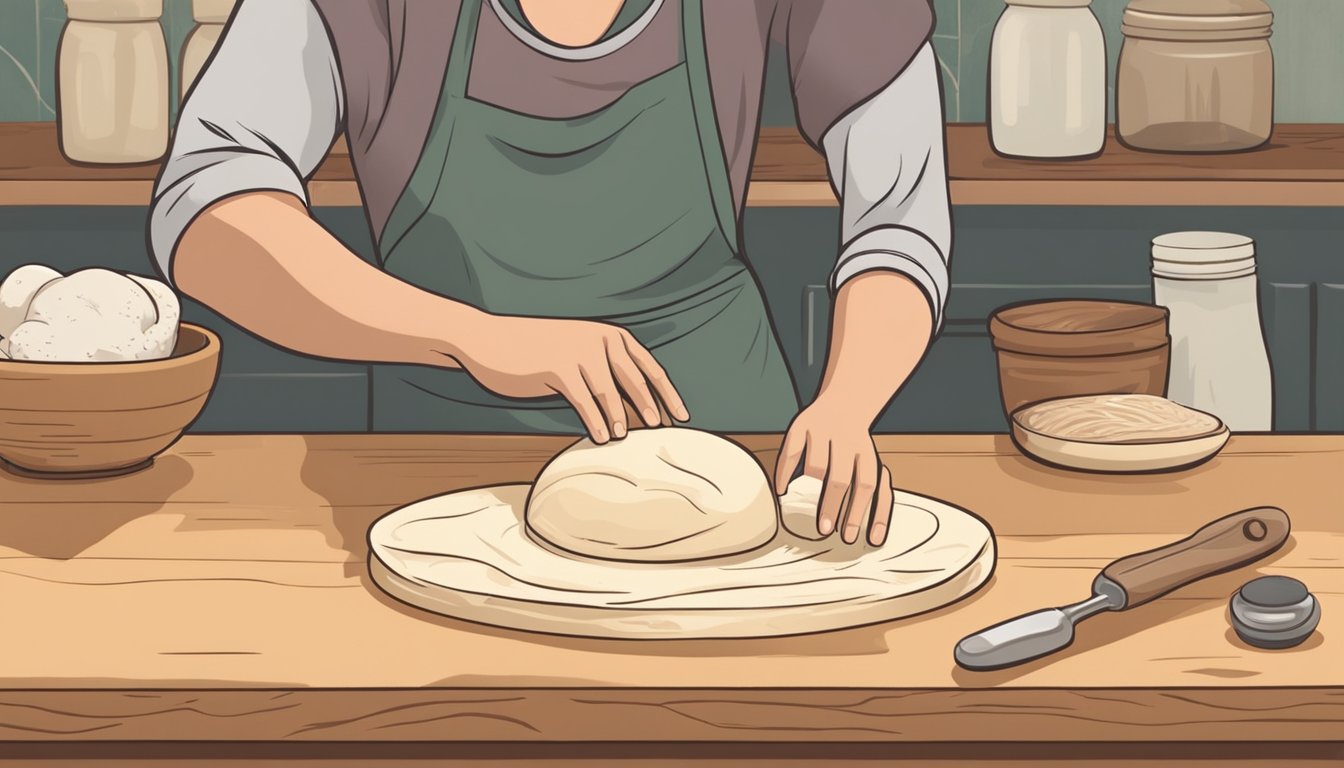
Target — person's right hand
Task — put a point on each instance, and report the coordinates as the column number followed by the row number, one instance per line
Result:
column 595, row 366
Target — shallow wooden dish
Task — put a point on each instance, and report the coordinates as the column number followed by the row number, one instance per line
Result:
column 82, row 420
column 1128, row 448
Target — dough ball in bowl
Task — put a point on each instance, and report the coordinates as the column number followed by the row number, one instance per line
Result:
column 16, row 295
column 659, row 495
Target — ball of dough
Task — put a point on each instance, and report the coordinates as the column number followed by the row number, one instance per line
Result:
column 161, row 337
column 96, row 315
column 17, row 292
column 658, row 495
column 798, row 508
column 798, row 516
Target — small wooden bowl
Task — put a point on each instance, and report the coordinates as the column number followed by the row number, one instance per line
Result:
column 82, row 420
column 1136, row 452
column 1054, row 349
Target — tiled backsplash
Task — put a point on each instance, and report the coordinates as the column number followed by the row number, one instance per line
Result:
column 1307, row 37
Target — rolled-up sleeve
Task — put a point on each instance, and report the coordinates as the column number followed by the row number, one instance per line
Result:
column 887, row 161
column 866, row 85
column 262, row 116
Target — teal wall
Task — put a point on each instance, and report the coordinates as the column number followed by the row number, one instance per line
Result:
column 1307, row 45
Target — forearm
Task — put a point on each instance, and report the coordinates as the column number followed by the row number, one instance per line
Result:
column 260, row 260
column 880, row 330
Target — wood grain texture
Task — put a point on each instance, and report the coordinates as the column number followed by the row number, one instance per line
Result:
column 1302, row 166
column 666, row 754
column 223, row 594
column 656, row 763
column 624, row 762
column 710, row 715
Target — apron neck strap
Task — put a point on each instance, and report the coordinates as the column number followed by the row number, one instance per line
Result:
column 702, row 102
column 702, row 97
column 464, row 44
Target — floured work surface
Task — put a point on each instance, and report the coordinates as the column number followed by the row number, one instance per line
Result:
column 223, row 595
column 468, row 555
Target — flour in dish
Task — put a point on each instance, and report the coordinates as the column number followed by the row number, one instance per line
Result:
column 1118, row 419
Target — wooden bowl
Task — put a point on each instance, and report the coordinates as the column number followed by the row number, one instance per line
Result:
column 1054, row 349
column 81, row 420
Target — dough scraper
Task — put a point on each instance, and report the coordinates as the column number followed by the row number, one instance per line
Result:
column 1222, row 545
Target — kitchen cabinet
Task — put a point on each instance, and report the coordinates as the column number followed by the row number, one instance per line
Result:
column 1010, row 254
column 1328, row 358
column 228, row 592
column 1003, row 255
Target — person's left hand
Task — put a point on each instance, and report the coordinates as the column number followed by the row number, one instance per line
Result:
column 834, row 445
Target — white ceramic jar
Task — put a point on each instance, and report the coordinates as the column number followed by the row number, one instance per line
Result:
column 1047, row 80
column 113, row 81
column 1219, row 363
column 210, row 16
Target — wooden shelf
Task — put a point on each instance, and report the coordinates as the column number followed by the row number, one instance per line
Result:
column 1302, row 166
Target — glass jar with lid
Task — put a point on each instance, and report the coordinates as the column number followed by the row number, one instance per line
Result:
column 113, row 82
column 210, row 17
column 1047, row 80
column 1196, row 75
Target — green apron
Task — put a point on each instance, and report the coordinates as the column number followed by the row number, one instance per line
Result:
column 619, row 216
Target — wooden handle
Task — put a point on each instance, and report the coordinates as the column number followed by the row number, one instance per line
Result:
column 1226, row 543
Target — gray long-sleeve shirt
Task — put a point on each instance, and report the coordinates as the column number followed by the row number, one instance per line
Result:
column 279, row 90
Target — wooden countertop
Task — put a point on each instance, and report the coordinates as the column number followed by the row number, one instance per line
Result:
column 1302, row 166
column 223, row 595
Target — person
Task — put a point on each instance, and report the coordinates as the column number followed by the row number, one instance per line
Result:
column 555, row 191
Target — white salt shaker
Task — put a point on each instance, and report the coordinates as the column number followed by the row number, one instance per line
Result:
column 1047, row 80
column 1219, row 363
column 113, row 78
column 210, row 16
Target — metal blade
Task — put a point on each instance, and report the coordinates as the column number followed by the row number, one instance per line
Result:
column 1026, row 637
column 1015, row 641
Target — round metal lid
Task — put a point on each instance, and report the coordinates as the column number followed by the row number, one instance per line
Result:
column 1274, row 592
